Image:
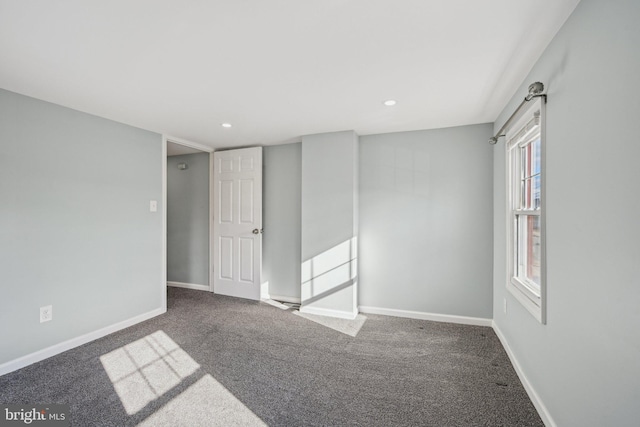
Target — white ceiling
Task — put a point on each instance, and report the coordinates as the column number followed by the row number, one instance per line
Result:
column 276, row 69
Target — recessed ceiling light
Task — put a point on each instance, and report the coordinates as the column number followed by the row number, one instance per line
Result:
column 389, row 102
column 226, row 125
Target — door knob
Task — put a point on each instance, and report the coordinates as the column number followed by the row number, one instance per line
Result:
column 256, row 231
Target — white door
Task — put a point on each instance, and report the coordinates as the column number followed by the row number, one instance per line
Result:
column 237, row 230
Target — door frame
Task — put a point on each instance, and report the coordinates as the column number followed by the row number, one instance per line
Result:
column 206, row 149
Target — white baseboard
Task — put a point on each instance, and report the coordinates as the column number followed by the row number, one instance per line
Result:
column 328, row 312
column 189, row 286
column 448, row 318
column 535, row 398
column 292, row 300
column 21, row 362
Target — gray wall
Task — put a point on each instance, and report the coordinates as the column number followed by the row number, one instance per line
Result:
column 75, row 226
column 585, row 363
column 426, row 221
column 188, row 219
column 329, row 221
column 281, row 212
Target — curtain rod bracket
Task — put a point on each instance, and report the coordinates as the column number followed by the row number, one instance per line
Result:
column 535, row 91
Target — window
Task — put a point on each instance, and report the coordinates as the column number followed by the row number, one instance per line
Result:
column 525, row 209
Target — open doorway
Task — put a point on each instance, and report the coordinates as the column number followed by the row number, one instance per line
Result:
column 188, row 215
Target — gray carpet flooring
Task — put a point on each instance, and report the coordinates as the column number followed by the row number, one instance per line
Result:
column 214, row 360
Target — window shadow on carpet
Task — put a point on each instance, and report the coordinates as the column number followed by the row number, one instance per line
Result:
column 155, row 374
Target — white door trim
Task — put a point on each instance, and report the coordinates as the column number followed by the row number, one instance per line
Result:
column 163, row 278
column 186, row 143
column 211, row 221
column 206, row 149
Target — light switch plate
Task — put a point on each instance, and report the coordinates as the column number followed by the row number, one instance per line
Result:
column 153, row 206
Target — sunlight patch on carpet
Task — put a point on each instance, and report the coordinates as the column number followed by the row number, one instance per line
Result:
column 146, row 369
column 275, row 304
column 345, row 326
column 205, row 403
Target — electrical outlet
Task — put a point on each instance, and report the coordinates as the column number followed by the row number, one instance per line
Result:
column 46, row 313
column 505, row 306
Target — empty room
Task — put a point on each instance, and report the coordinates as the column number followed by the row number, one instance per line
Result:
column 319, row 213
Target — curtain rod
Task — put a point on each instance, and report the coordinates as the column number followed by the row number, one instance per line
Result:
column 535, row 91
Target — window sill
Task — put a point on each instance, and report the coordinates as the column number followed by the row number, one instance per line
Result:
column 532, row 307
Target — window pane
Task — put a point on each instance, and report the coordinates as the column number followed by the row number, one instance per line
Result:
column 527, row 201
column 536, row 192
column 535, row 169
column 525, row 161
column 521, row 239
column 515, row 187
column 529, row 250
column 530, row 175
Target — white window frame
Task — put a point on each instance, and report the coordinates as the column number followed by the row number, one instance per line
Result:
column 518, row 135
